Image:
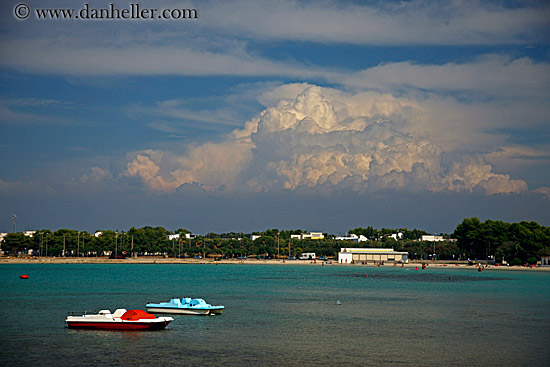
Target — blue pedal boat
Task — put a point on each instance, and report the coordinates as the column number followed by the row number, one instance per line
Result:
column 185, row 306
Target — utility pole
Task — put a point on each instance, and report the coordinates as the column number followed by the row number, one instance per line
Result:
column 14, row 221
column 278, row 235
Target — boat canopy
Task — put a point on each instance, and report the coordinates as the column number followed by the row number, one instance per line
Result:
column 198, row 302
column 133, row 315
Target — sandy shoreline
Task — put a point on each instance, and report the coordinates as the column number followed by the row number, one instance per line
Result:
column 163, row 260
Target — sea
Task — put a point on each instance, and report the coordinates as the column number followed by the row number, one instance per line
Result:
column 279, row 315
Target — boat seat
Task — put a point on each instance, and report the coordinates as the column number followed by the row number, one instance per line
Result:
column 119, row 312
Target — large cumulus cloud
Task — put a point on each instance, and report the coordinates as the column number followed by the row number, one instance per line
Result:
column 319, row 139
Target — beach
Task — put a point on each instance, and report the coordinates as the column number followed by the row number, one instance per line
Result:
column 189, row 261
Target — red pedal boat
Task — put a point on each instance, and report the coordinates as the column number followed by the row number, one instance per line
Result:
column 120, row 320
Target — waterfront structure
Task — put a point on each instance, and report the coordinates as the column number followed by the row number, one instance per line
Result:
column 352, row 237
column 355, row 255
column 545, row 261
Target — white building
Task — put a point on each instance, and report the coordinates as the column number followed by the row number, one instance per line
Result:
column 29, row 233
column 545, row 261
column 255, row 237
column 352, row 237
column 396, row 236
column 173, row 236
column 349, row 255
column 432, row 238
column 308, row 236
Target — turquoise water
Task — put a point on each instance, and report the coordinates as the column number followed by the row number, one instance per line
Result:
column 280, row 316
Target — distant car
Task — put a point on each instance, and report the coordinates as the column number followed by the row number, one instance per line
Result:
column 197, row 257
column 242, row 258
column 118, row 256
column 323, row 258
column 268, row 258
column 291, row 258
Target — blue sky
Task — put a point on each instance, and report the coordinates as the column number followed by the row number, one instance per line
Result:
column 281, row 114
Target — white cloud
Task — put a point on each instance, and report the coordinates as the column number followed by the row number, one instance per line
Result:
column 382, row 23
column 475, row 173
column 212, row 166
column 66, row 57
column 494, row 75
column 322, row 139
column 29, row 111
column 544, row 190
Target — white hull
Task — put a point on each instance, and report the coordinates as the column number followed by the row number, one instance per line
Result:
column 178, row 311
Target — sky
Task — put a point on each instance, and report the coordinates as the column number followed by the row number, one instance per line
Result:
column 313, row 115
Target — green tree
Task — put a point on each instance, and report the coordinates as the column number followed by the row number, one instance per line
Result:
column 468, row 235
column 17, row 243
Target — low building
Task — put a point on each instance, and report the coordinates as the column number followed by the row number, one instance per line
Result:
column 254, row 237
column 352, row 237
column 545, row 261
column 355, row 255
column 29, row 233
column 308, row 236
column 173, row 236
column 396, row 236
column 432, row 238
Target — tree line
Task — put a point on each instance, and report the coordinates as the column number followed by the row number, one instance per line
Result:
column 515, row 242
